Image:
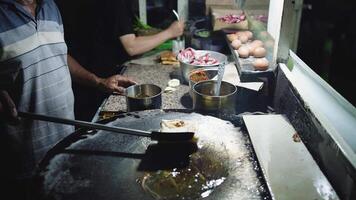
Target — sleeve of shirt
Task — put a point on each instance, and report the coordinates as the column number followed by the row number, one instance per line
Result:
column 123, row 21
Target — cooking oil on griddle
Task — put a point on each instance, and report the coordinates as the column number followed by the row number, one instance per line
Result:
column 206, row 170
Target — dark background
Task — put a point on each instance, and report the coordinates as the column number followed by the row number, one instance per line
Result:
column 327, row 43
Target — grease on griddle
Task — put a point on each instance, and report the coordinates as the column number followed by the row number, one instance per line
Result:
column 207, row 169
column 296, row 137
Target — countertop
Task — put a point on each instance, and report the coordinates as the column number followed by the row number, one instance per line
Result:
column 149, row 70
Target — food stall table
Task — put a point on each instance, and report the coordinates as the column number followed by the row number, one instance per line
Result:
column 148, row 70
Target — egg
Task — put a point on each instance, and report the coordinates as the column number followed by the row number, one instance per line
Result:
column 239, row 33
column 243, row 38
column 249, row 34
column 231, row 37
column 243, row 52
column 256, row 43
column 250, row 49
column 261, row 64
column 259, row 52
column 236, row 44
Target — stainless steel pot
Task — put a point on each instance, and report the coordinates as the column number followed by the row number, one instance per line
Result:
column 186, row 67
column 143, row 97
column 205, row 100
column 210, row 73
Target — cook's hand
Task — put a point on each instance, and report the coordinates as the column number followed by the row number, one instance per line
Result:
column 8, row 111
column 115, row 83
column 176, row 29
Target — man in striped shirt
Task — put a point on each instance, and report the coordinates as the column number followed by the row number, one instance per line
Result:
column 35, row 76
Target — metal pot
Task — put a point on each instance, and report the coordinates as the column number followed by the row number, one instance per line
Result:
column 186, row 67
column 210, row 73
column 143, row 97
column 205, row 100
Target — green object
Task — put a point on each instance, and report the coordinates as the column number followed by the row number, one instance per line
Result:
column 165, row 46
column 138, row 24
column 290, row 63
column 203, row 34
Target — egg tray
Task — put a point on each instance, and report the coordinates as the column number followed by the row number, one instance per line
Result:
column 248, row 73
column 245, row 65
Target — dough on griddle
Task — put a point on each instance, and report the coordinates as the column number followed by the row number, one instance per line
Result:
column 177, row 125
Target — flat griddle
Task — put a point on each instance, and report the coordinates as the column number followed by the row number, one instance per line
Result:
column 99, row 165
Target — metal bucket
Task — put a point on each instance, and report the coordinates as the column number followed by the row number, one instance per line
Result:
column 143, row 97
column 205, row 100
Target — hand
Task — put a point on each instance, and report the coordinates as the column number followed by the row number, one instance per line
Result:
column 115, row 83
column 8, row 111
column 176, row 29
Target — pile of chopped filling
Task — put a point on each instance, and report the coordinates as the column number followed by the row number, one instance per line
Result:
column 199, row 75
column 232, row 18
column 190, row 56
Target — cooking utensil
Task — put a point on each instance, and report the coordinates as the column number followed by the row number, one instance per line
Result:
column 205, row 100
column 176, row 14
column 186, row 67
column 143, row 97
column 178, row 18
column 221, row 70
column 154, row 135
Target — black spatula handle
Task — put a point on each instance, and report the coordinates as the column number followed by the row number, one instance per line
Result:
column 172, row 136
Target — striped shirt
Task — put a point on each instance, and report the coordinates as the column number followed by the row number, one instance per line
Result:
column 33, row 69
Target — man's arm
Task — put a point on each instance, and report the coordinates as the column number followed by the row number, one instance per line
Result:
column 115, row 83
column 141, row 44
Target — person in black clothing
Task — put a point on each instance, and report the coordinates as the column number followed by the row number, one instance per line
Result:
column 100, row 36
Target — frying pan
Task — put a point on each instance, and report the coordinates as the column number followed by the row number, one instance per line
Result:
column 100, row 165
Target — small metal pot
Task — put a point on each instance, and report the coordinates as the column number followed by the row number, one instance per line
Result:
column 205, row 100
column 210, row 73
column 143, row 97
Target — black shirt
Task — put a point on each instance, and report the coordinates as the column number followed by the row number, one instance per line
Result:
column 92, row 31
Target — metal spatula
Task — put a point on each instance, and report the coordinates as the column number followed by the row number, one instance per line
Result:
column 154, row 135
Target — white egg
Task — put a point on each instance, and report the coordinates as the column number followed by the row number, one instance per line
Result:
column 243, row 52
column 243, row 38
column 236, row 44
column 259, row 52
column 261, row 64
column 249, row 34
column 231, row 37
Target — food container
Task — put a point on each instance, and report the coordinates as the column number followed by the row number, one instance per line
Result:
column 200, row 74
column 143, row 97
column 205, row 100
column 186, row 67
